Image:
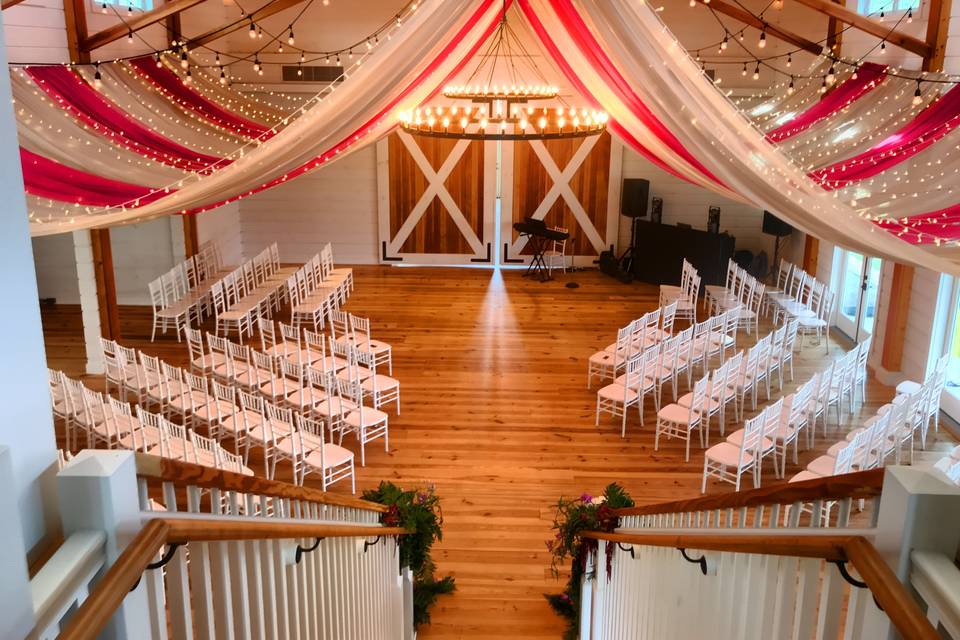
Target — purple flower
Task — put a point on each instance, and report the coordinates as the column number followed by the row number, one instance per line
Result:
column 550, row 546
column 586, row 498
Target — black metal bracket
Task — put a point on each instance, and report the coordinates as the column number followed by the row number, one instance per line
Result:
column 302, row 550
column 489, row 256
column 623, row 548
column 384, row 255
column 367, row 544
column 506, row 256
column 859, row 584
column 702, row 560
column 159, row 564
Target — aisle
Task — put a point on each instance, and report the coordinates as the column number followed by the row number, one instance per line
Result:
column 495, row 414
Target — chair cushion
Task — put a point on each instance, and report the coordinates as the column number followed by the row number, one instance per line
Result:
column 822, row 466
column 728, row 455
column 804, row 475
column 617, row 392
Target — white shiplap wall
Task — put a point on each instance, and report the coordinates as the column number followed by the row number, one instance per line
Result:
column 221, row 226
column 56, row 267
column 336, row 204
column 35, row 31
column 687, row 203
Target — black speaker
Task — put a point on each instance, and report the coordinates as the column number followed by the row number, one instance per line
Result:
column 713, row 220
column 656, row 210
column 633, row 200
column 774, row 226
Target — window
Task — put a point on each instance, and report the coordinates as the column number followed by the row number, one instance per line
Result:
column 136, row 5
column 874, row 7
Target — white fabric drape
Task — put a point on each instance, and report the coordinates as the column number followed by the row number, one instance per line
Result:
column 383, row 76
column 711, row 128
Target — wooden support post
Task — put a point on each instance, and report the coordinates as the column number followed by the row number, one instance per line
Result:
column 898, row 312
column 938, row 27
column 191, row 240
column 106, row 283
column 75, row 17
column 811, row 253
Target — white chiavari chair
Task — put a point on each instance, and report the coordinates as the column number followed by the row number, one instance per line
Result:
column 713, row 293
column 380, row 351
column 606, row 364
column 145, row 434
column 860, row 373
column 229, row 319
column 165, row 315
column 203, row 451
column 315, row 454
column 249, row 418
column 379, row 388
column 174, row 442
column 221, row 405
column 728, row 462
column 344, row 274
column 675, row 420
column 367, row 423
column 819, row 324
column 617, row 398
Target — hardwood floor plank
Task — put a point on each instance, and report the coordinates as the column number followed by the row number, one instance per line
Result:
column 497, row 415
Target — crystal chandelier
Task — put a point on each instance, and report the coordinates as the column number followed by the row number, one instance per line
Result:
column 492, row 106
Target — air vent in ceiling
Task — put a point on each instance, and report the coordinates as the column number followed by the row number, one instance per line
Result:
column 321, row 73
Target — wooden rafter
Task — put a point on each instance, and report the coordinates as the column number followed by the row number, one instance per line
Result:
column 264, row 12
column 868, row 25
column 749, row 19
column 117, row 31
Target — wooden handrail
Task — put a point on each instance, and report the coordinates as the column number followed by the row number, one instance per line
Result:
column 106, row 597
column 203, row 530
column 826, row 547
column 899, row 605
column 185, row 473
column 863, row 484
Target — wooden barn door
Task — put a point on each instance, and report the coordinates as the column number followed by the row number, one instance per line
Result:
column 436, row 199
column 566, row 183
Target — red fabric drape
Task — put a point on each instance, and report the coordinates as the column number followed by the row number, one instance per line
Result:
column 48, row 179
column 868, row 77
column 189, row 99
column 92, row 109
column 930, row 125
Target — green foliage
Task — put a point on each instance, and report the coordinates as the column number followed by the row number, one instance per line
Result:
column 419, row 512
column 573, row 517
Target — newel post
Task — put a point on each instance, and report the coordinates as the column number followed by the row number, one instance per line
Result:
column 98, row 491
column 919, row 511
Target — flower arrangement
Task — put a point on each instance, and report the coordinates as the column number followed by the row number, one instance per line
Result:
column 573, row 517
column 419, row 512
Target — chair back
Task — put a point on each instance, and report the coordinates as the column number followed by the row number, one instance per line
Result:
column 752, row 439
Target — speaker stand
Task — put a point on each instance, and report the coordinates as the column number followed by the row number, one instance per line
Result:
column 626, row 260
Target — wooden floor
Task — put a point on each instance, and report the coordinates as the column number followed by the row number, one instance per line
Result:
column 496, row 414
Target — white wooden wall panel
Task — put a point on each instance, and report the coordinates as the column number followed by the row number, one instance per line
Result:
column 923, row 306
column 686, row 203
column 141, row 252
column 56, row 268
column 222, row 227
column 336, row 204
column 35, row 32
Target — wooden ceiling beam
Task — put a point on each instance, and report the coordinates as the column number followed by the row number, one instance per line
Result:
column 75, row 20
column 749, row 19
column 264, row 12
column 868, row 25
column 142, row 21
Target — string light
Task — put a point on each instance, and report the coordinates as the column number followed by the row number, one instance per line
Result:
column 909, row 16
column 883, row 46
column 723, row 45
column 763, row 38
column 917, row 95
column 97, row 78
column 790, row 88
column 789, row 59
column 831, row 75
column 253, row 29
column 290, row 39
column 256, row 62
column 184, row 63
column 756, row 72
column 130, row 37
